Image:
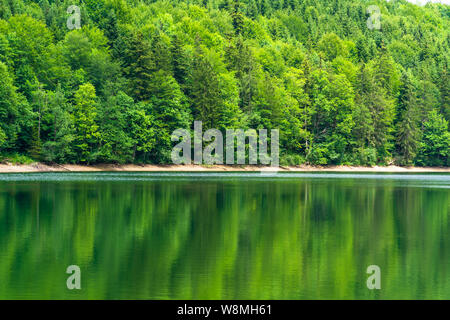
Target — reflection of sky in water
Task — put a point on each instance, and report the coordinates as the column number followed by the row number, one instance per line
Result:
column 437, row 180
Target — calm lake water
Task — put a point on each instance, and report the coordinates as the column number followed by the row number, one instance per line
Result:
column 224, row 235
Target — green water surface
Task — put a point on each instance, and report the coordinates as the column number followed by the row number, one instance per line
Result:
column 224, row 235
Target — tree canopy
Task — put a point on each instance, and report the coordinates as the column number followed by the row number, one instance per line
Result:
column 115, row 89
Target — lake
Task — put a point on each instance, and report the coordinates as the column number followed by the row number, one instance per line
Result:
column 224, row 235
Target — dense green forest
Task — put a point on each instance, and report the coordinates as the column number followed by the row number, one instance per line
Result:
column 114, row 90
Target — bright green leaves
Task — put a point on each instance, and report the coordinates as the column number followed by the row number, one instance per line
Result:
column 87, row 49
column 434, row 148
column 86, row 130
column 14, row 111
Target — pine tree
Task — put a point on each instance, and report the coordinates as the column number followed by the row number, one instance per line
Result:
column 161, row 53
column 204, row 90
column 264, row 7
column 179, row 62
column 241, row 60
column 374, row 116
column 252, row 9
column 361, row 50
column 110, row 27
column 36, row 144
column 238, row 19
column 140, row 66
column 445, row 95
column 386, row 74
column 408, row 132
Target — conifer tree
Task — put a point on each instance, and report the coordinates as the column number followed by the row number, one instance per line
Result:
column 139, row 67
column 408, row 132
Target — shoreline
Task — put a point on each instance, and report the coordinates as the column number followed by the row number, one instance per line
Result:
column 41, row 167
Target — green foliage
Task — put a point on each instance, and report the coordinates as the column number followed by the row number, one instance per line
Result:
column 115, row 90
column 16, row 158
column 142, row 132
column 435, row 145
column 408, row 132
column 58, row 129
column 116, row 144
column 86, row 129
column 14, row 111
column 138, row 66
column 292, row 160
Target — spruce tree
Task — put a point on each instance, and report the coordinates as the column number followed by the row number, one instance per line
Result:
column 408, row 132
column 140, row 66
column 204, row 90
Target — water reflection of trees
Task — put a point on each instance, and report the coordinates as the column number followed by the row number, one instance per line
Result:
column 232, row 239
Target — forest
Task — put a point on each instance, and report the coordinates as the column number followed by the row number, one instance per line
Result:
column 114, row 90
